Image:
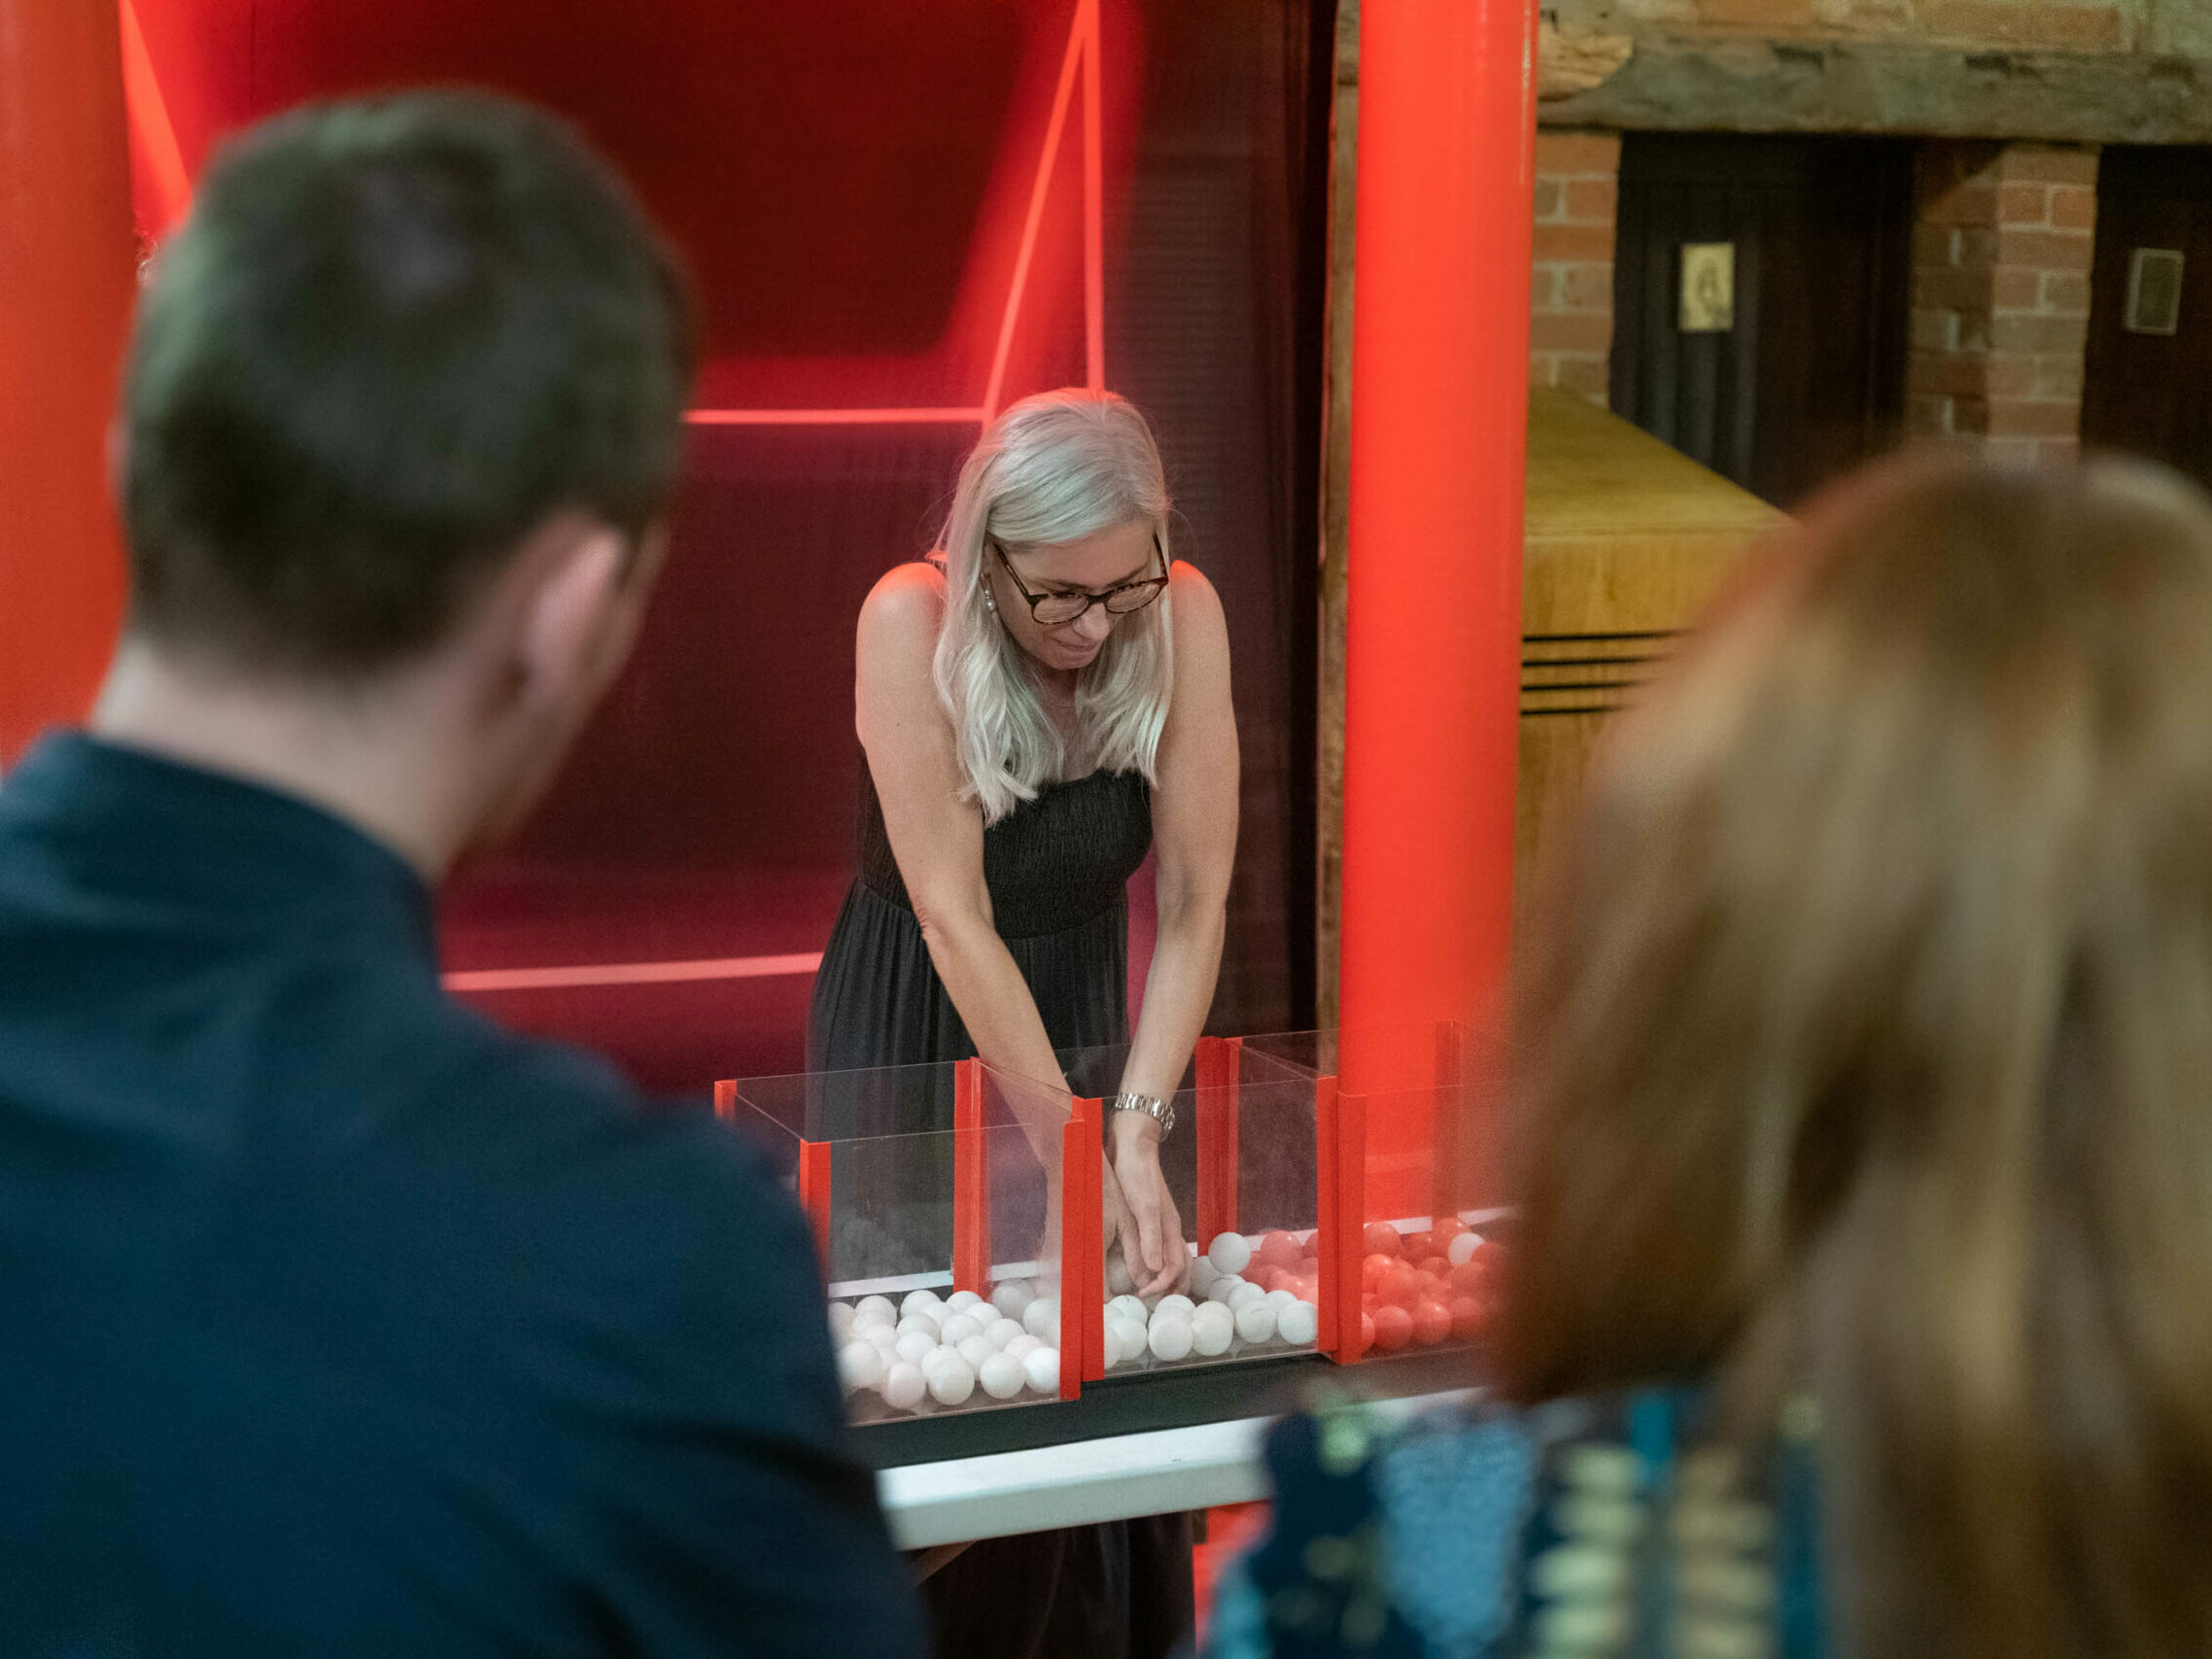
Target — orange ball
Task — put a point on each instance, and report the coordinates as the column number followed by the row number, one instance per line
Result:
column 1394, row 1327
column 1309, row 1267
column 1366, row 1333
column 1381, row 1239
column 1471, row 1277
column 1447, row 1229
column 1467, row 1318
column 1300, row 1285
column 1417, row 1245
column 1401, row 1285
column 1372, row 1269
column 1436, row 1266
column 1278, row 1249
column 1268, row 1278
column 1431, row 1321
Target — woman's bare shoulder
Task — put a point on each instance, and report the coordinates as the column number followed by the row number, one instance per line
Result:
column 902, row 610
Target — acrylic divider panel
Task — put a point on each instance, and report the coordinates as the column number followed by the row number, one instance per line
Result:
column 1409, row 1242
column 1241, row 1167
column 951, row 1206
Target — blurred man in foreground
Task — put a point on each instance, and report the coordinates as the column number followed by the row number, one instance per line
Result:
column 338, row 1321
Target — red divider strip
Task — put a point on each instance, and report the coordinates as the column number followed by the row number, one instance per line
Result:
column 971, row 1182
column 815, row 1193
column 1351, row 1146
column 726, row 1099
column 1086, row 1304
column 1328, row 1218
column 1074, row 1224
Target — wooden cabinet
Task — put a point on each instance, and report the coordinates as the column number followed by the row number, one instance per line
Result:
column 1626, row 542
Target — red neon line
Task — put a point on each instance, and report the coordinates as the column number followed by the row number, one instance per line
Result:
column 149, row 121
column 1094, row 208
column 634, row 972
column 1037, row 193
column 830, row 417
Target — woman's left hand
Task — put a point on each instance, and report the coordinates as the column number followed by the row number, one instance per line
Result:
column 1151, row 1227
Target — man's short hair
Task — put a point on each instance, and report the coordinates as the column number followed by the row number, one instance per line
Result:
column 395, row 337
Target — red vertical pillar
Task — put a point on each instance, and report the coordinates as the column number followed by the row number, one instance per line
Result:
column 971, row 1182
column 1439, row 410
column 66, row 264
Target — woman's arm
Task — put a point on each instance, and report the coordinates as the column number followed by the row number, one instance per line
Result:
column 1194, row 812
column 935, row 836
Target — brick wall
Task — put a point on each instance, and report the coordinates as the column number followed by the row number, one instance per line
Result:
column 1570, row 327
column 2002, row 297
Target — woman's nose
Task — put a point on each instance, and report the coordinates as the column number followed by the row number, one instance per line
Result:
column 1094, row 624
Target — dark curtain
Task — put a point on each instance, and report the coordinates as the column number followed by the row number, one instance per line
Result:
column 849, row 181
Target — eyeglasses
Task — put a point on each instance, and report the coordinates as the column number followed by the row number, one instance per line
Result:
column 1053, row 610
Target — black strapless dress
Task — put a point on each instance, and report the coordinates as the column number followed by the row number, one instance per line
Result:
column 1057, row 869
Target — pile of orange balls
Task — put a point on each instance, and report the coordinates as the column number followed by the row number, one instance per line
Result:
column 1424, row 1287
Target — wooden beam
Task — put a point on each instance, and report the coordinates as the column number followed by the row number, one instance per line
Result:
column 1751, row 86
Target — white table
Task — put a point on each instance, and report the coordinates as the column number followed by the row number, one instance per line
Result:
column 1086, row 1481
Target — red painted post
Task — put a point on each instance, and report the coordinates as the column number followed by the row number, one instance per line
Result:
column 971, row 1182
column 68, row 256
column 1080, row 1224
column 1439, row 412
column 726, row 1099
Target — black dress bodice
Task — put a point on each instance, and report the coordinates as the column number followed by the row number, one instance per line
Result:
column 1051, row 864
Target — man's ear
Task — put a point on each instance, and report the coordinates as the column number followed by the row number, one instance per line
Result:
column 576, row 594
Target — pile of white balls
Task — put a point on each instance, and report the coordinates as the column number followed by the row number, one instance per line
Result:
column 1231, row 1313
column 944, row 1348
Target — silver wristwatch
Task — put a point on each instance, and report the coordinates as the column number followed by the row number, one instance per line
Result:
column 1150, row 1105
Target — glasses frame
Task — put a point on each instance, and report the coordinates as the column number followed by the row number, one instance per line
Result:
column 1153, row 587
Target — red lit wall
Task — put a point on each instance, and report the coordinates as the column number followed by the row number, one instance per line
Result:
column 899, row 213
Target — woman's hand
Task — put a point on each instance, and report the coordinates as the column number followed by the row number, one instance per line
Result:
column 1139, row 1210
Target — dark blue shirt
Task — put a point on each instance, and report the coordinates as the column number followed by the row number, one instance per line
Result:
column 335, row 1320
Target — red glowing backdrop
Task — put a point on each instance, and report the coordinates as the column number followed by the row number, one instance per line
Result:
column 902, row 214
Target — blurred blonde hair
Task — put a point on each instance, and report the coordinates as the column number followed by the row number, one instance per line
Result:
column 1866, row 1041
column 1053, row 468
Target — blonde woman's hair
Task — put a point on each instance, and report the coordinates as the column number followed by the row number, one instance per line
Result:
column 1053, row 468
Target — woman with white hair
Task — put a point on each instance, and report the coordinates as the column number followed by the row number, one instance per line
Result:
column 1041, row 702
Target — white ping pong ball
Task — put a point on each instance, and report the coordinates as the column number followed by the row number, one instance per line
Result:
column 1204, row 1273
column 1299, row 1323
column 1230, row 1252
column 1171, row 1338
column 1245, row 1295
column 1128, row 1307
column 1000, row 1332
column 903, row 1386
column 920, row 1301
column 961, row 1302
column 1042, row 1318
column 1002, row 1376
column 876, row 1307
column 957, row 1326
column 913, row 1347
column 1043, row 1368
column 840, row 1318
column 1012, row 1296
column 1179, row 1306
column 975, row 1349
column 1211, row 1328
column 1462, row 1245
column 1022, row 1346
column 1224, row 1288
column 859, row 1365
column 1256, row 1321
column 951, row 1380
